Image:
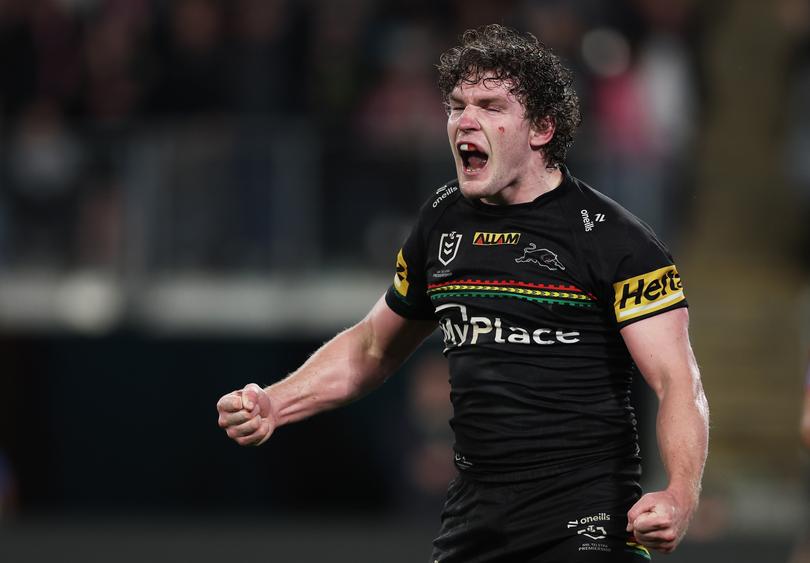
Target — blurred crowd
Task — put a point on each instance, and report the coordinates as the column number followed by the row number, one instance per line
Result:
column 236, row 136
column 796, row 17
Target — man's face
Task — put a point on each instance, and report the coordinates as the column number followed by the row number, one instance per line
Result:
column 490, row 139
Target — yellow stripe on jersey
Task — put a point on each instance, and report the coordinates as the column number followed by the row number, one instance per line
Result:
column 401, row 277
column 647, row 293
column 638, row 549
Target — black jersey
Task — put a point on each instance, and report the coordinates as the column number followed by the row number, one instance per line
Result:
column 530, row 299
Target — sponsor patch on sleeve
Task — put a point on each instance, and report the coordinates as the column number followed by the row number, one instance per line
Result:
column 401, row 277
column 647, row 293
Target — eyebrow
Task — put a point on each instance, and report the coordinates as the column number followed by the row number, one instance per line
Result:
column 486, row 100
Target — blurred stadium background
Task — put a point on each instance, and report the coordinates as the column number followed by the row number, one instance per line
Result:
column 194, row 194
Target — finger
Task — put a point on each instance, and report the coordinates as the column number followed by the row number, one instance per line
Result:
column 644, row 504
column 232, row 402
column 227, row 420
column 651, row 521
column 267, row 430
column 257, row 438
column 657, row 544
column 245, row 429
column 659, row 537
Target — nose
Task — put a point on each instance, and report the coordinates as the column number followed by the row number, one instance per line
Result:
column 468, row 120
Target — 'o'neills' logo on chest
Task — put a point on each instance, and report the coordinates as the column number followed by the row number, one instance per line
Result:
column 495, row 239
column 540, row 256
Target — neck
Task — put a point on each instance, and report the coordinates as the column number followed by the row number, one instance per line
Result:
column 544, row 181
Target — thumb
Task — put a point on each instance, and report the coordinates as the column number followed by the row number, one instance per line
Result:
column 264, row 405
column 250, row 396
column 256, row 400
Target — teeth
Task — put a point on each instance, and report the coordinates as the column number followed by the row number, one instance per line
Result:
column 464, row 147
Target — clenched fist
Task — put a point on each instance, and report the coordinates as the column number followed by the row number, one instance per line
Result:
column 247, row 415
column 659, row 520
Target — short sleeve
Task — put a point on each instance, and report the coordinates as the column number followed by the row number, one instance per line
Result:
column 642, row 277
column 407, row 295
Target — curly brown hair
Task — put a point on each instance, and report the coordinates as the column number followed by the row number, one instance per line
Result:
column 538, row 79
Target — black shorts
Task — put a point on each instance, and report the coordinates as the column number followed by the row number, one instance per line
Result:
column 577, row 517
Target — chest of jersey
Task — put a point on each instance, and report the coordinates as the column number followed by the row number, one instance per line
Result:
column 507, row 281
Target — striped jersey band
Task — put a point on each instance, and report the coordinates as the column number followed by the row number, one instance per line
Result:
column 512, row 289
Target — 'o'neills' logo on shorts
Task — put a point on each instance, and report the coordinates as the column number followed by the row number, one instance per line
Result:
column 647, row 293
column 495, row 239
column 401, row 277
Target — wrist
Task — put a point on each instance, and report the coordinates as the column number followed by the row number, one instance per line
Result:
column 686, row 493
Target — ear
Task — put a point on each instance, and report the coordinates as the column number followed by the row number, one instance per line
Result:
column 542, row 131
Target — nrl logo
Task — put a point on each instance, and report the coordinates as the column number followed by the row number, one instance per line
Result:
column 448, row 247
column 540, row 256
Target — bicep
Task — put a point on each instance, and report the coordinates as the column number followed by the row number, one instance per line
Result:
column 661, row 349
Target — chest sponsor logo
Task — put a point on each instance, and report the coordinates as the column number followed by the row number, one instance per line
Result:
column 401, row 277
column 540, row 256
column 495, row 239
column 448, row 247
column 647, row 293
column 460, row 328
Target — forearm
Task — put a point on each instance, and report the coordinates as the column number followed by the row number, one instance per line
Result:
column 340, row 371
column 350, row 365
column 660, row 347
column 683, row 435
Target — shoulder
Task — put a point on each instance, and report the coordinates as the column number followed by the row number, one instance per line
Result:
column 438, row 203
column 443, row 197
column 635, row 270
column 604, row 220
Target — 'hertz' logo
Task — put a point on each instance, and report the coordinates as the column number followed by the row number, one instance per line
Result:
column 647, row 293
column 401, row 277
column 494, row 239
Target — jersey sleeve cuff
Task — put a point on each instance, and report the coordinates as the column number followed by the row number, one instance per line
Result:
column 635, row 319
column 405, row 309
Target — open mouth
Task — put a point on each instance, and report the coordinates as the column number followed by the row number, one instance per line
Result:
column 473, row 158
